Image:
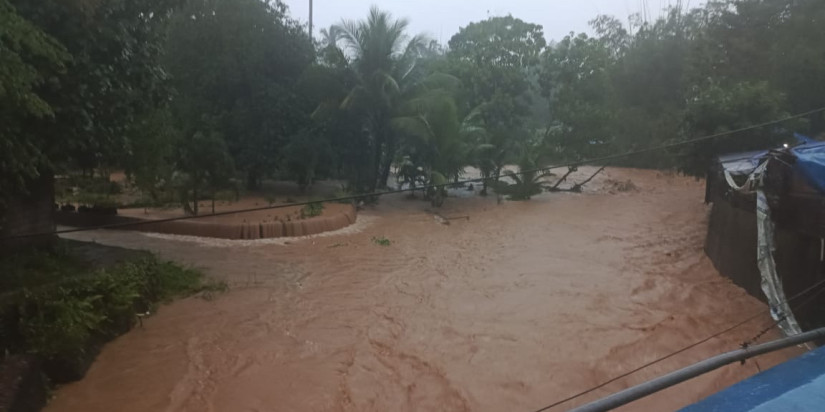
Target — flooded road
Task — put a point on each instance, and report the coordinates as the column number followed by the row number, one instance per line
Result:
column 521, row 305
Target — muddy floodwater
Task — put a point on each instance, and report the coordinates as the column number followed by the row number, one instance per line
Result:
column 516, row 307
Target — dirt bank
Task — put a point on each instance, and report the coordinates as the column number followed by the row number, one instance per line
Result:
column 524, row 304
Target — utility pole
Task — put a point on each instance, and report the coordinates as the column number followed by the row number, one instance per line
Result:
column 310, row 19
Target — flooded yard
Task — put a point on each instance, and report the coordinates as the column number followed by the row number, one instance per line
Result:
column 514, row 308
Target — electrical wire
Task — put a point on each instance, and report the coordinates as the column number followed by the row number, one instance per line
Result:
column 684, row 349
column 781, row 319
column 427, row 187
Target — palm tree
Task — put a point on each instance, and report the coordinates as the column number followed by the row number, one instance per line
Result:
column 330, row 53
column 384, row 64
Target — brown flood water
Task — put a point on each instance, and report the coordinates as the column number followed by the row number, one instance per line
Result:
column 524, row 304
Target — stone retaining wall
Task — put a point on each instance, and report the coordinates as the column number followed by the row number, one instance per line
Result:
column 234, row 231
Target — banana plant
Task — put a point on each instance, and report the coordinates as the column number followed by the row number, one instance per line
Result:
column 527, row 182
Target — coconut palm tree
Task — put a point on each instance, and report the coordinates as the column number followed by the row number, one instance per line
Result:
column 330, row 54
column 383, row 59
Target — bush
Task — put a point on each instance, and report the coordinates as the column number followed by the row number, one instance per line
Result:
column 65, row 323
column 381, row 241
column 312, row 210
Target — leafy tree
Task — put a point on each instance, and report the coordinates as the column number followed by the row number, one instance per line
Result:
column 153, row 153
column 494, row 58
column 237, row 62
column 690, row 73
column 305, row 154
column 204, row 167
column 327, row 84
column 75, row 75
column 28, row 59
column 112, row 77
column 576, row 78
column 769, row 40
column 718, row 108
column 499, row 42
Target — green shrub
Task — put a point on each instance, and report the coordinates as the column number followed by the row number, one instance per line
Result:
column 63, row 321
column 312, row 210
column 344, row 193
column 381, row 241
column 59, row 322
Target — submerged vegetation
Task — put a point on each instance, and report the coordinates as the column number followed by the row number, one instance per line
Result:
column 381, row 241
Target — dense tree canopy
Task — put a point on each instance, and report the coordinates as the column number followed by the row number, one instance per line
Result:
column 237, row 63
column 690, row 73
column 197, row 96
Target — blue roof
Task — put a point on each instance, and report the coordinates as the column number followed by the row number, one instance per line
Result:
column 810, row 163
column 797, row 385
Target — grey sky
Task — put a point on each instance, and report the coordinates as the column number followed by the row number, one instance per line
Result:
column 440, row 19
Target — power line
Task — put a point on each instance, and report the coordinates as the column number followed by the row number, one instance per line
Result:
column 775, row 323
column 426, row 187
column 691, row 141
column 684, row 349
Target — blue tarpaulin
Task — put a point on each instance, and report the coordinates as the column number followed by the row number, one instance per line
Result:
column 810, row 163
column 794, row 386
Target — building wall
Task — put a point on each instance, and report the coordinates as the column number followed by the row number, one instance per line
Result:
column 731, row 245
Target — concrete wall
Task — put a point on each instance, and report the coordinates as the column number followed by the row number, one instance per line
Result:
column 234, row 231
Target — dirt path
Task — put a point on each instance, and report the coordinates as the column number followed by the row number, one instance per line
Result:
column 524, row 304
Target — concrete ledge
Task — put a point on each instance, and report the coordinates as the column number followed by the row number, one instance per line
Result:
column 233, row 231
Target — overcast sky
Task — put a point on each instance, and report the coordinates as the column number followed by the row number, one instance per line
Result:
column 440, row 19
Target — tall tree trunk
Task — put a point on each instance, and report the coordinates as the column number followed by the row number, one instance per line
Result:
column 496, row 176
column 195, row 199
column 389, row 156
column 184, row 200
column 376, row 165
column 253, row 178
column 484, row 182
